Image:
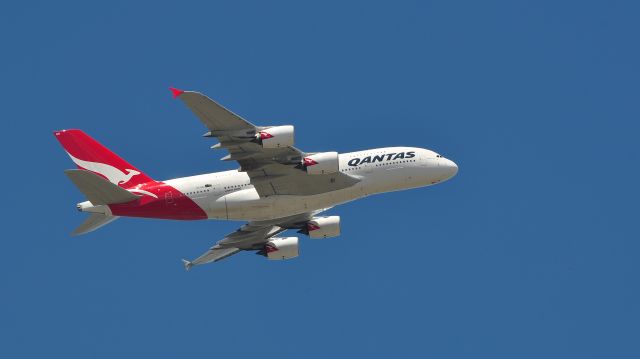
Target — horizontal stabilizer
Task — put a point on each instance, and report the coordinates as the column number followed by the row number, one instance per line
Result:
column 99, row 190
column 93, row 222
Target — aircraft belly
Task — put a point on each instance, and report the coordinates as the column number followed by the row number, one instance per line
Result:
column 247, row 206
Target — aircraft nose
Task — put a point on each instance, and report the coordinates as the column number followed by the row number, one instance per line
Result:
column 451, row 168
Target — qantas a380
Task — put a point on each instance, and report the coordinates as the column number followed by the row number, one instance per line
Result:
column 276, row 188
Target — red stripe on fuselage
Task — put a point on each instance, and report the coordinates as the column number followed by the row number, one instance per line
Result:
column 170, row 204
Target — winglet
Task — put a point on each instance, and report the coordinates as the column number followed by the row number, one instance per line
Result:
column 176, row 92
column 187, row 264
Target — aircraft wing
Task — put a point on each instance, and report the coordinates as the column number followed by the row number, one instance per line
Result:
column 271, row 170
column 251, row 236
column 212, row 114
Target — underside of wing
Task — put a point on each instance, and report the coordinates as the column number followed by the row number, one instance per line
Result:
column 214, row 254
column 266, row 153
column 251, row 236
column 279, row 171
column 212, row 114
column 280, row 180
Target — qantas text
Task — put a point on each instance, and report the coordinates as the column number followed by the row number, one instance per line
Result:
column 380, row 158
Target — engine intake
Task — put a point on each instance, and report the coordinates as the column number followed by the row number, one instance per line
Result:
column 279, row 248
column 321, row 163
column 276, row 137
column 322, row 227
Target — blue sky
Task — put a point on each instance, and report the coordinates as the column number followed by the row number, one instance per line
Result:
column 530, row 252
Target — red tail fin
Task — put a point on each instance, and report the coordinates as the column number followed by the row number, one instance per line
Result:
column 89, row 154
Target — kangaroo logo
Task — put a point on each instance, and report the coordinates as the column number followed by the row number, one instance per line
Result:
column 113, row 174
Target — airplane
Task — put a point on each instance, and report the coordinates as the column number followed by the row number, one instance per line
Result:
column 276, row 188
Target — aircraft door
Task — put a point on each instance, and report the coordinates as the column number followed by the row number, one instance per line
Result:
column 168, row 199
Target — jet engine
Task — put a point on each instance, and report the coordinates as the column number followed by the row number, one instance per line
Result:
column 321, row 163
column 322, row 227
column 275, row 137
column 279, row 248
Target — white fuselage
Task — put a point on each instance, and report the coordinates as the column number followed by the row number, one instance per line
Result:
column 230, row 195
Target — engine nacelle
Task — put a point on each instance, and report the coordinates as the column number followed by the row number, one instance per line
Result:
column 323, row 227
column 321, row 163
column 275, row 137
column 279, row 248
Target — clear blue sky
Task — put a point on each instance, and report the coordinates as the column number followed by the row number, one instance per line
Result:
column 530, row 252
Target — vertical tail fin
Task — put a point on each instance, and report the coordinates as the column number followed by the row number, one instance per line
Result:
column 89, row 154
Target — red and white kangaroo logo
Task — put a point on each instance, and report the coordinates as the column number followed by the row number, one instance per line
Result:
column 113, row 174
